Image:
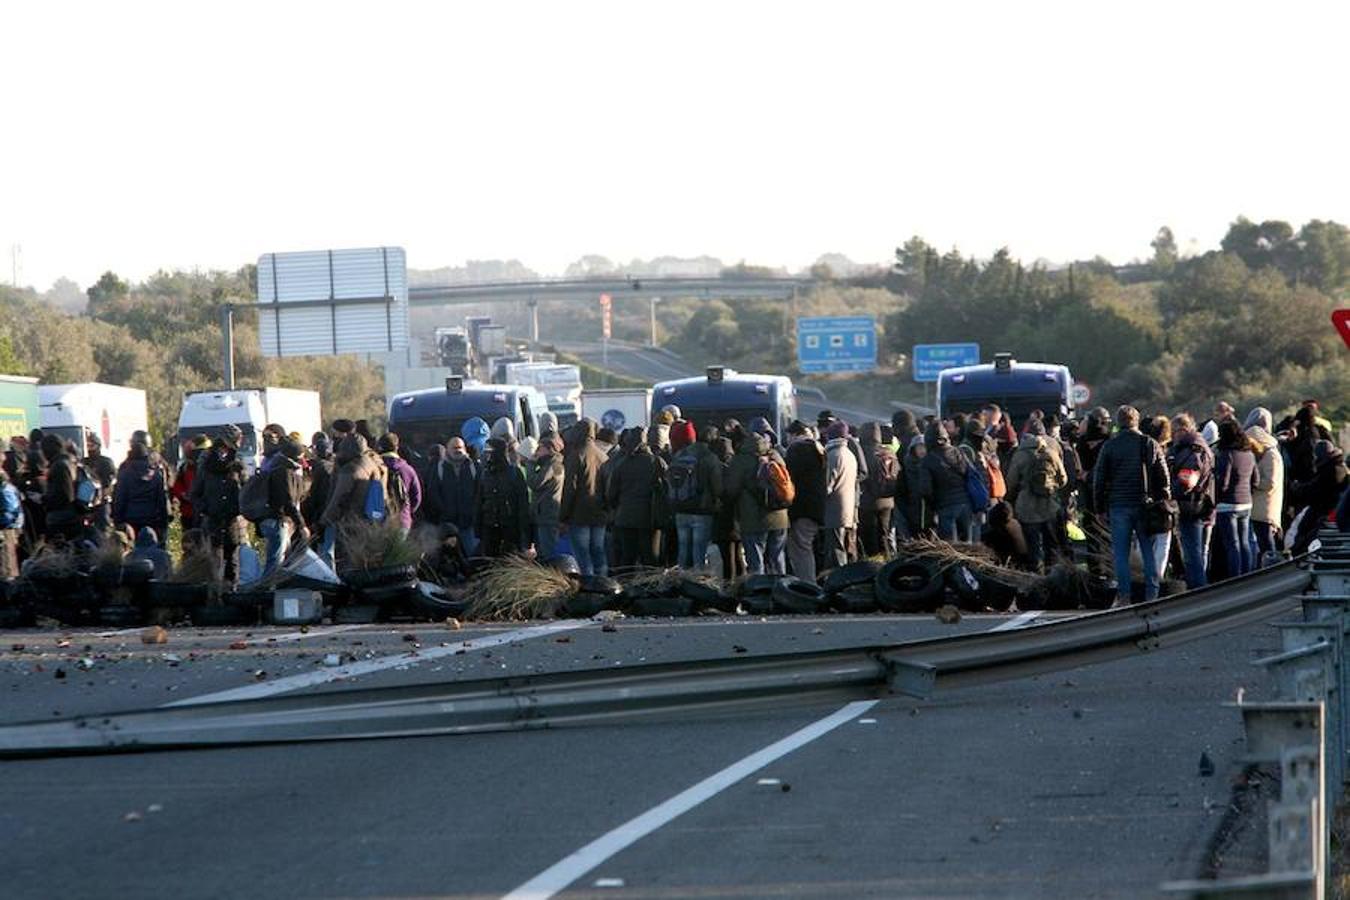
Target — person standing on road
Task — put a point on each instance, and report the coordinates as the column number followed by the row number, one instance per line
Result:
column 64, row 519
column 636, row 475
column 215, row 497
column 140, row 494
column 1160, row 429
column 1035, row 477
column 104, row 472
column 285, row 489
column 1319, row 495
column 475, row 433
column 1191, row 463
column 357, row 467
column 183, row 478
column 693, row 486
column 544, row 477
column 403, row 486
column 1096, row 431
column 455, row 482
column 943, row 486
column 1235, row 481
column 726, row 536
column 876, row 505
column 1268, row 495
column 841, row 495
column 322, row 480
column 805, row 460
column 11, row 526
column 582, row 511
column 502, row 506
column 1130, row 472
column 763, row 529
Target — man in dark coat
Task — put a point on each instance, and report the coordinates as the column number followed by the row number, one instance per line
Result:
column 104, row 471
column 64, row 520
column 454, row 480
column 1129, row 470
column 502, row 508
column 141, row 494
column 583, row 498
column 634, row 480
column 285, row 490
column 805, row 461
column 215, row 497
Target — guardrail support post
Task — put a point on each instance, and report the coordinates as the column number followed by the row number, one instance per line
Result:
column 1308, row 674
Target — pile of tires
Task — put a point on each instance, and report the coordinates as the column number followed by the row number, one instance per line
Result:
column 376, row 594
column 595, row 593
column 910, row 585
column 763, row 595
column 852, row 588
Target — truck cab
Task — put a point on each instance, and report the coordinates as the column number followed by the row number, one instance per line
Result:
column 433, row 416
column 1017, row 388
column 724, row 393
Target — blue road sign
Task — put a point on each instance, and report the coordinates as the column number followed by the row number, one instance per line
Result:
column 930, row 359
column 837, row 344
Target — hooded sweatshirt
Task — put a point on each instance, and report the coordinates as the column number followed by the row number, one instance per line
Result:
column 475, row 433
column 140, row 496
column 1268, row 495
column 1028, row 506
column 147, row 547
column 880, row 457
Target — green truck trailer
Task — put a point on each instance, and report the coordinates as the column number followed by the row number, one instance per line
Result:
column 18, row 405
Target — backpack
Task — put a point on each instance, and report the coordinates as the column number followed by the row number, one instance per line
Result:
column 254, row 503
column 976, row 489
column 396, row 492
column 998, row 487
column 11, row 508
column 775, row 485
column 86, row 489
column 373, row 507
column 1041, row 474
column 883, row 474
column 682, row 481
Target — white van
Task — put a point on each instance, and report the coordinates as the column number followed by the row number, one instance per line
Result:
column 74, row 411
column 251, row 410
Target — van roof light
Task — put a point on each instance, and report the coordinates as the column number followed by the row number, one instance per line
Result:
column 716, row 374
column 454, row 384
column 1003, row 362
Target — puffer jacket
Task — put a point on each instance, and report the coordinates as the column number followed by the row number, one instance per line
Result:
column 1268, row 495
column 878, row 457
column 806, row 467
column 841, row 485
column 583, row 496
column 215, row 492
column 1118, row 476
column 741, row 482
column 635, row 476
column 357, row 466
column 1028, row 506
column 140, row 495
column 1189, row 453
column 942, row 476
column 1234, row 478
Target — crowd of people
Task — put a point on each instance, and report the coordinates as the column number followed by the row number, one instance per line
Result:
column 1189, row 501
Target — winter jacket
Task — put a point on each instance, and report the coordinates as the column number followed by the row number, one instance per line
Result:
column 182, row 488
column 942, row 476
column 583, row 496
column 879, row 456
column 841, row 485
column 147, row 547
column 140, row 495
column 1268, row 495
column 1189, row 458
column 637, row 474
column 285, row 490
column 1234, row 479
column 1118, row 476
column 454, row 485
column 502, row 504
column 357, row 467
column 215, row 492
column 544, row 476
column 322, row 479
column 1089, row 447
column 805, row 462
column 1323, row 491
column 740, row 488
column 398, row 468
column 58, row 495
column 1028, row 506
column 917, row 513
column 707, row 475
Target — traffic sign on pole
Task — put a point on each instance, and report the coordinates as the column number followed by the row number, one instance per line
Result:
column 837, row 344
column 930, row 359
column 606, row 316
column 1341, row 319
column 1081, row 393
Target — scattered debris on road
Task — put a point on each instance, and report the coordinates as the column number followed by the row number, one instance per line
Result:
column 155, row 634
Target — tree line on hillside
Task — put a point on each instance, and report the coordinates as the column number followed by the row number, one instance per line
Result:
column 163, row 336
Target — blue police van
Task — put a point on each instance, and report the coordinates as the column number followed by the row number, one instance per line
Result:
column 434, row 415
column 1017, row 388
column 724, row 393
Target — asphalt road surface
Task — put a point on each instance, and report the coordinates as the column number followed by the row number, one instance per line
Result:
column 650, row 366
column 1075, row 784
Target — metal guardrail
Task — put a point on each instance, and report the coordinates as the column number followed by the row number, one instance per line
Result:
column 914, row 668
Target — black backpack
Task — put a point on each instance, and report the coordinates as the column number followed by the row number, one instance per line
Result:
column 682, row 481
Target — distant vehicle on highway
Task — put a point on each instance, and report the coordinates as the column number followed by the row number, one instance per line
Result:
column 433, row 416
column 1017, row 387
column 252, row 410
column 724, row 393
column 113, row 412
column 560, row 384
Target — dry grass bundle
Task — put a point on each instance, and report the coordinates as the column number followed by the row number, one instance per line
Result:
column 976, row 557
column 656, row 580
column 372, row 545
column 111, row 550
column 198, row 565
column 52, row 561
column 514, row 588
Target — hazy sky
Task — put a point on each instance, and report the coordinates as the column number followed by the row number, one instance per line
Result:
column 138, row 136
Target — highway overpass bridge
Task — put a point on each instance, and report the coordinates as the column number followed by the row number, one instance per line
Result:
column 586, row 290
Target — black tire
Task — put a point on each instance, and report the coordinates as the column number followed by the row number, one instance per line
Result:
column 356, row 614
column 167, row 593
column 704, row 595
column 435, row 606
column 14, row 617
column 390, row 595
column 218, row 615
column 909, row 586
column 585, row 604
column 999, row 595
column 120, row 616
column 661, row 606
column 757, row 604
column 601, row 584
column 858, row 600
column 965, row 587
column 379, row 577
column 793, row 596
column 861, row 572
column 251, row 600
column 759, row 584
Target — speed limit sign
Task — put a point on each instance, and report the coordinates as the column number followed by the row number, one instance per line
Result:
column 1080, row 394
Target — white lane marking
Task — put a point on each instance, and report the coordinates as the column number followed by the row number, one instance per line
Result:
column 1017, row 622
column 300, row 635
column 558, row 876
column 378, row 664
column 119, row 631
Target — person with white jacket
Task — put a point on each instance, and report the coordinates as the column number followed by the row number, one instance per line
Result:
column 1268, row 495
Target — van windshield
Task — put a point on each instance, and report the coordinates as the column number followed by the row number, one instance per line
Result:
column 715, row 417
column 248, row 444
column 420, row 434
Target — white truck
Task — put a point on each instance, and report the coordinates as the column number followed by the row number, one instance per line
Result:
column 560, row 385
column 618, row 408
column 110, row 411
column 252, row 410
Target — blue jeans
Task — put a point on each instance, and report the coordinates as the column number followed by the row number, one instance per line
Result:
column 545, row 541
column 1127, row 525
column 694, row 533
column 1235, row 532
column 327, row 543
column 1191, row 533
column 765, row 552
column 276, row 536
column 957, row 523
column 1162, row 549
column 588, row 545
